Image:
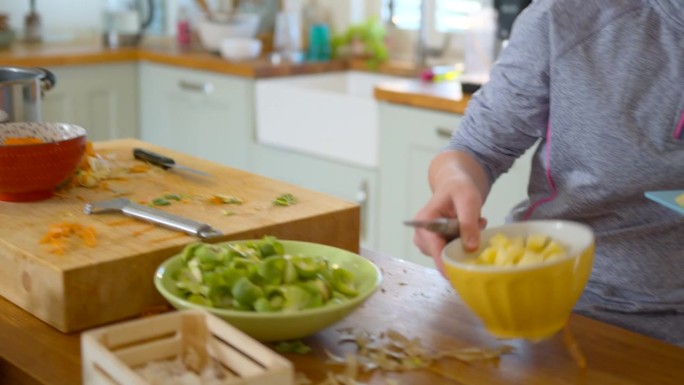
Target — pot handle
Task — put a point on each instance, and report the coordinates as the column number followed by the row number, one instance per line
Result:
column 48, row 79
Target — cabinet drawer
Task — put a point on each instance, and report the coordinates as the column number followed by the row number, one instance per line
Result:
column 102, row 98
column 199, row 113
column 351, row 183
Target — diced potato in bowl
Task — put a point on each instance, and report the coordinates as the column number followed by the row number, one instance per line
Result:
column 525, row 278
column 520, row 251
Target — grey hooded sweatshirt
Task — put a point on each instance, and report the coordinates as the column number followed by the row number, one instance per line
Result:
column 600, row 85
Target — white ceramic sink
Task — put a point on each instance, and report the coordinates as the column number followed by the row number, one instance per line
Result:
column 331, row 115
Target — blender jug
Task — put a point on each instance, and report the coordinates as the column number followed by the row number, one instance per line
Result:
column 124, row 21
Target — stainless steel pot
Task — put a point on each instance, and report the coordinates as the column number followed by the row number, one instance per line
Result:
column 21, row 93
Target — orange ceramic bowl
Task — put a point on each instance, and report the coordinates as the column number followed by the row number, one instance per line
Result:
column 36, row 157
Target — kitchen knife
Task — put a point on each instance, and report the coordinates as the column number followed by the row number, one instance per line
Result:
column 162, row 161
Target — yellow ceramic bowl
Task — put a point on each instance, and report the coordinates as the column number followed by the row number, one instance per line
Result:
column 531, row 302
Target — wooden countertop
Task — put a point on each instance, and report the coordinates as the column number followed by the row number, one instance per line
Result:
column 444, row 96
column 417, row 302
column 440, row 96
column 165, row 51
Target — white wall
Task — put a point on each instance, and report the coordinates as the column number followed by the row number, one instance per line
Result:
column 71, row 19
column 61, row 18
column 64, row 19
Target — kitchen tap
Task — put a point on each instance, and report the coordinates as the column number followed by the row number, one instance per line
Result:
column 422, row 50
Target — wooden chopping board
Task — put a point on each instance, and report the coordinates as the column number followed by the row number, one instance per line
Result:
column 89, row 286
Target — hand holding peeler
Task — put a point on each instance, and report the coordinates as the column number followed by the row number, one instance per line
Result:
column 149, row 214
column 448, row 227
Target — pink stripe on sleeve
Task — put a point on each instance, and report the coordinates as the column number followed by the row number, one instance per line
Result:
column 680, row 126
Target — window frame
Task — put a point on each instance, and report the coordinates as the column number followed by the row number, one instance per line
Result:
column 433, row 18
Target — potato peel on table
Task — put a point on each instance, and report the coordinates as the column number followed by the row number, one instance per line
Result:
column 394, row 352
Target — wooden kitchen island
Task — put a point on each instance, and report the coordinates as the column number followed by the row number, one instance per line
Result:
column 413, row 300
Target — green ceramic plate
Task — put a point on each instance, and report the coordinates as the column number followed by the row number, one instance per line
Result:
column 283, row 326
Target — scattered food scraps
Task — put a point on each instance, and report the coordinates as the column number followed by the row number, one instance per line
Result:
column 59, row 234
column 286, row 199
column 218, row 199
column 392, row 351
column 139, row 168
column 573, row 348
column 296, row 346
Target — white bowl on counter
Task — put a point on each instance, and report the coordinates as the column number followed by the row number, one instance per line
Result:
column 213, row 31
column 237, row 49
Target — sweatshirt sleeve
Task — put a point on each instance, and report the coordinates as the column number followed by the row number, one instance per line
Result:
column 510, row 112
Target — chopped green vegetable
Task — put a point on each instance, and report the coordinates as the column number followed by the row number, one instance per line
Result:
column 317, row 287
column 307, row 267
column 228, row 213
column 263, row 305
column 160, row 202
column 233, row 274
column 172, row 197
column 296, row 298
column 297, row 346
column 270, row 246
column 343, row 281
column 260, row 276
column 200, row 300
column 246, row 292
column 286, row 199
column 189, row 251
column 230, row 200
column 210, row 256
column 272, row 269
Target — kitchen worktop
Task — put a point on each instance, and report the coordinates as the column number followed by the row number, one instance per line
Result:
column 444, row 96
column 416, row 302
column 413, row 92
column 166, row 51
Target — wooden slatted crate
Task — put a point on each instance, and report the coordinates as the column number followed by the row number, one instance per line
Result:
column 111, row 354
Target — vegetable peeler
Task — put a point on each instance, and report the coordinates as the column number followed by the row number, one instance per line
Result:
column 448, row 227
column 149, row 214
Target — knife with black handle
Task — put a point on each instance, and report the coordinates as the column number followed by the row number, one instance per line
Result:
column 162, row 161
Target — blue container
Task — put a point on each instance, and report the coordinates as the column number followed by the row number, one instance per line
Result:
column 319, row 43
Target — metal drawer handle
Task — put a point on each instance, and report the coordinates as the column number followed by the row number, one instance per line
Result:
column 362, row 200
column 204, row 88
column 444, row 132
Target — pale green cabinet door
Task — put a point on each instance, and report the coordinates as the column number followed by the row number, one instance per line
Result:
column 101, row 98
column 351, row 183
column 410, row 138
column 199, row 113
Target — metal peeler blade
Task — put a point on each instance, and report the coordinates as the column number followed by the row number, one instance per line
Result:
column 149, row 214
column 448, row 227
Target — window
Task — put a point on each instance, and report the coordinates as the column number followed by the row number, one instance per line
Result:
column 449, row 15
